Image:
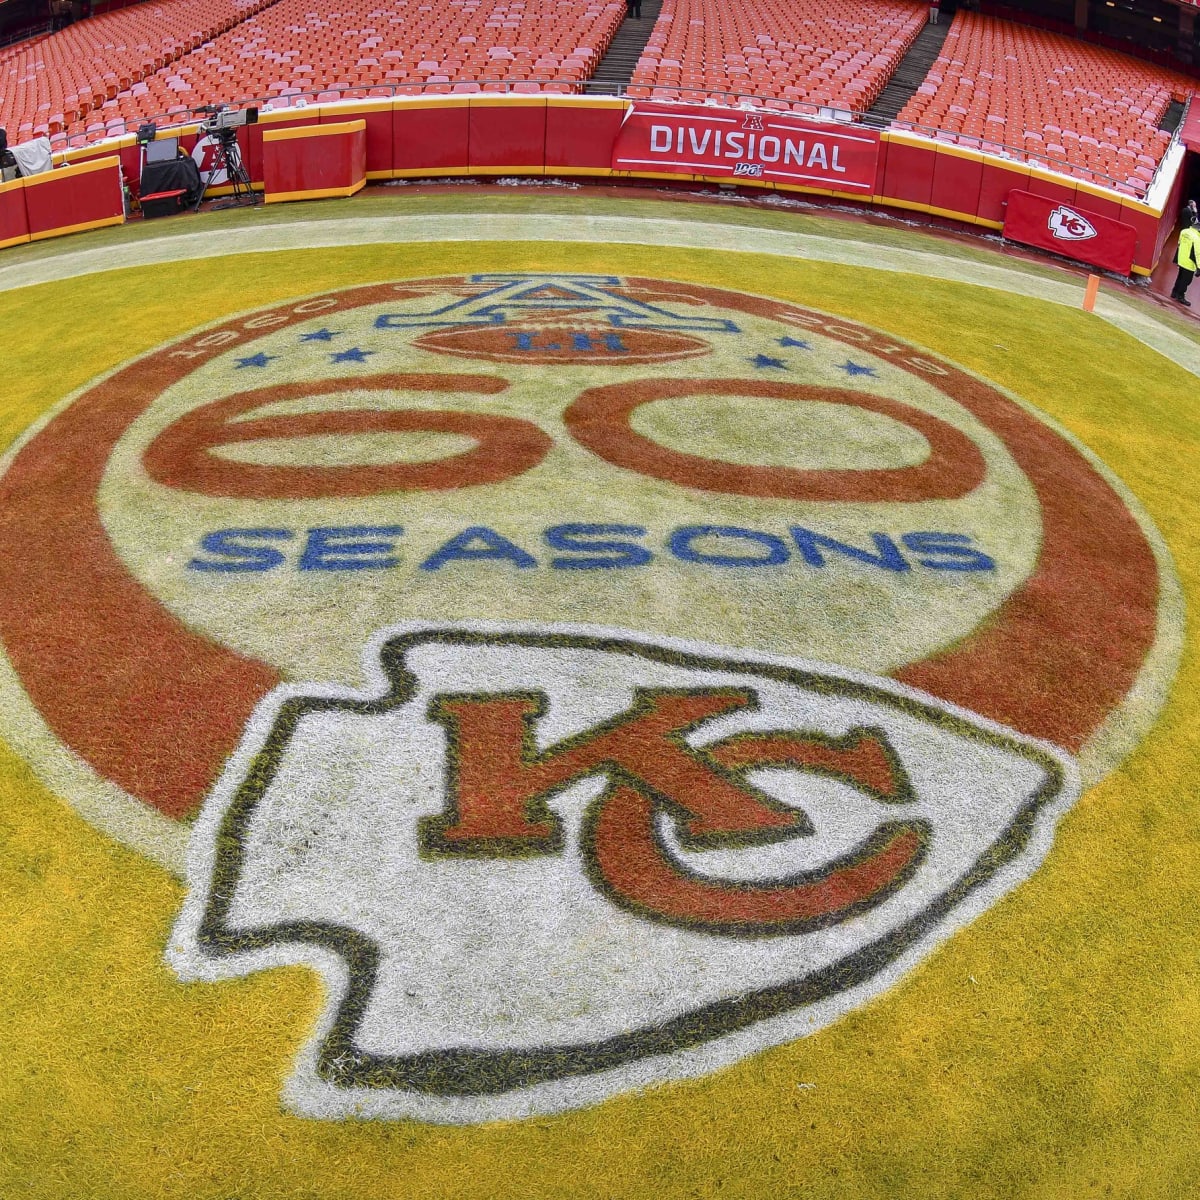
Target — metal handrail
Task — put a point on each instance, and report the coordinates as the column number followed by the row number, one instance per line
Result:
column 1177, row 133
column 393, row 90
column 715, row 98
column 26, row 35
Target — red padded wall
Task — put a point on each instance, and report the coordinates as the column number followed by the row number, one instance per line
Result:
column 1053, row 187
column 957, row 176
column 908, row 176
column 485, row 134
column 429, row 136
column 580, row 134
column 999, row 178
column 1147, row 225
column 131, row 164
column 1070, row 230
column 251, row 145
column 881, row 168
column 14, row 221
column 508, row 133
column 321, row 162
column 125, row 148
column 84, row 196
column 1097, row 201
column 250, row 137
column 378, row 116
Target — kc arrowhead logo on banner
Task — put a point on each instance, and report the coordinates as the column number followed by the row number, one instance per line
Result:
column 1063, row 229
column 1068, row 225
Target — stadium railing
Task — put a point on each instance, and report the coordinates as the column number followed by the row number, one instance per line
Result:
column 180, row 115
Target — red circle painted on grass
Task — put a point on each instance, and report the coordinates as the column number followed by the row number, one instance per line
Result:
column 561, row 346
column 181, row 456
column 156, row 708
column 600, row 420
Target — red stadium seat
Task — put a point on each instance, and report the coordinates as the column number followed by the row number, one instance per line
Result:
column 146, row 60
column 1088, row 111
column 103, row 58
column 836, row 53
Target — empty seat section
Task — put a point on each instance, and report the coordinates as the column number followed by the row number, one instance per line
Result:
column 1042, row 97
column 71, row 80
column 782, row 53
column 354, row 48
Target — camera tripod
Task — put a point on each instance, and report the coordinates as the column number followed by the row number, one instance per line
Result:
column 227, row 157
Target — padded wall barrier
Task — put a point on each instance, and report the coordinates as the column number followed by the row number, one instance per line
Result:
column 87, row 195
column 377, row 116
column 315, row 162
column 580, row 133
column 506, row 132
column 430, row 137
column 998, row 179
column 957, row 181
column 14, row 221
column 414, row 137
column 1070, row 230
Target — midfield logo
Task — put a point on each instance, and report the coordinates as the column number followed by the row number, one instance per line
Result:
column 538, row 865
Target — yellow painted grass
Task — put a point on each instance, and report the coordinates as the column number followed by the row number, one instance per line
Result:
column 1049, row 1050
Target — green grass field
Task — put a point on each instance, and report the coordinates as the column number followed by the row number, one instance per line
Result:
column 1049, row 1048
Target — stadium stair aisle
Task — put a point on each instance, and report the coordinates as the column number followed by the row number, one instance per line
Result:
column 617, row 66
column 1172, row 117
column 911, row 72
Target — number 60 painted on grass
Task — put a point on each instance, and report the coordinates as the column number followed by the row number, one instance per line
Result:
column 598, row 419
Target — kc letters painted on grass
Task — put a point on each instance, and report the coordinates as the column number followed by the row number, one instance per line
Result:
column 595, row 679
column 540, row 865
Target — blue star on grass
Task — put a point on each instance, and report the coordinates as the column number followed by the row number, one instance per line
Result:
column 792, row 343
column 255, row 360
column 354, row 355
column 321, row 335
column 853, row 368
column 765, row 360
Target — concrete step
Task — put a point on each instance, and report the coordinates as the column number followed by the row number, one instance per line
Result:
column 1172, row 117
column 617, row 66
column 910, row 74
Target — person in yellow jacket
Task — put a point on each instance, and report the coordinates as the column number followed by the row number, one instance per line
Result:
column 1188, row 259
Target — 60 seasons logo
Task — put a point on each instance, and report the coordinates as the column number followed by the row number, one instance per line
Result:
column 596, row 680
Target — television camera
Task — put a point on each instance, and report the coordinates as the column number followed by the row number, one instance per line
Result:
column 221, row 123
